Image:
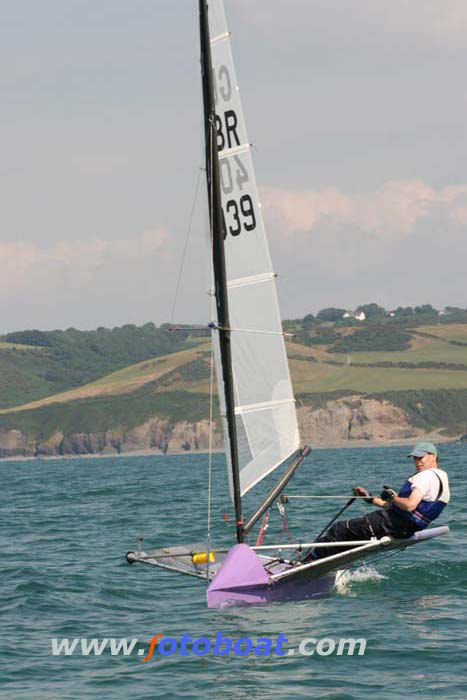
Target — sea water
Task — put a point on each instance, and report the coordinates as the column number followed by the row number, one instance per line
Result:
column 67, row 524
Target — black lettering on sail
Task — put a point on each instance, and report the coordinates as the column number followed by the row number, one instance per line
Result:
column 236, row 223
column 220, row 134
column 225, row 86
column 231, row 127
column 230, row 133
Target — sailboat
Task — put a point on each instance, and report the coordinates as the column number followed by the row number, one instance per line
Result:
column 255, row 391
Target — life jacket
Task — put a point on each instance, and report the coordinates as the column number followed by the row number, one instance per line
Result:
column 425, row 512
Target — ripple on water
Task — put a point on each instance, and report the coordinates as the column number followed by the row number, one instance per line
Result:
column 67, row 525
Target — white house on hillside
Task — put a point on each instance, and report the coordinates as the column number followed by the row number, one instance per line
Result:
column 352, row 314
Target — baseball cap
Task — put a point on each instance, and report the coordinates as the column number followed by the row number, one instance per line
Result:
column 421, row 448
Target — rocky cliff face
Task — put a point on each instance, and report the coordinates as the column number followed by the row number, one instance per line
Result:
column 156, row 435
column 341, row 421
column 355, row 418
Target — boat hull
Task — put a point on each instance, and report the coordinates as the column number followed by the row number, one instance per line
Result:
column 242, row 580
column 272, row 593
column 242, row 577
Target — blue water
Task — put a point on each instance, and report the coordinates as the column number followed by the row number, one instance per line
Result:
column 66, row 524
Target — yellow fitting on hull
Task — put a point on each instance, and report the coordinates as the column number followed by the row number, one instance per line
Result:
column 202, row 558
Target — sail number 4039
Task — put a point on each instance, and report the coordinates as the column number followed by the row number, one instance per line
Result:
column 239, row 216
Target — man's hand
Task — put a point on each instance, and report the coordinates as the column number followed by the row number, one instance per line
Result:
column 360, row 491
column 388, row 494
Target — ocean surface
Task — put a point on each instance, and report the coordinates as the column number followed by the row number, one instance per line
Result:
column 67, row 524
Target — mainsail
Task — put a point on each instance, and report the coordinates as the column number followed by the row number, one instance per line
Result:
column 260, row 421
column 265, row 415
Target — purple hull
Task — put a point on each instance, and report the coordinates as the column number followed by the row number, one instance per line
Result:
column 242, row 580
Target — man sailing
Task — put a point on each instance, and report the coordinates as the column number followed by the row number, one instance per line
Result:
column 421, row 499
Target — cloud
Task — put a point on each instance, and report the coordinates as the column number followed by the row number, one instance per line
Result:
column 402, row 244
column 27, row 266
column 389, row 214
column 429, row 21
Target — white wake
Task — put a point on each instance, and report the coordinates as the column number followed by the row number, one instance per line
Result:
column 346, row 578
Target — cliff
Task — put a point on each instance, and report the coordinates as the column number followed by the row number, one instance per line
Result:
column 344, row 421
column 353, row 418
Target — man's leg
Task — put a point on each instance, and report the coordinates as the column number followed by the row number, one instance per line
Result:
column 363, row 528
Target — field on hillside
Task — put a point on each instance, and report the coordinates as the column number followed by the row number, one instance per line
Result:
column 320, row 377
column 452, row 331
column 313, row 369
column 17, row 346
column 38, row 364
column 123, row 381
column 175, row 384
column 421, row 350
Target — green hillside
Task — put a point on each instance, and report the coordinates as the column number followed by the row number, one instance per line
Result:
column 101, row 413
column 35, row 364
column 79, row 381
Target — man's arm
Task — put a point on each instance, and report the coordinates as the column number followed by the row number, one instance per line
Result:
column 409, row 504
column 380, row 503
column 372, row 500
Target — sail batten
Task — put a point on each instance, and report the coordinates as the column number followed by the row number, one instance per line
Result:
column 265, row 415
column 254, row 279
column 235, row 150
column 266, row 405
column 215, row 40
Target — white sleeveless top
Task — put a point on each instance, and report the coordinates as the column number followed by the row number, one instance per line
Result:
column 427, row 482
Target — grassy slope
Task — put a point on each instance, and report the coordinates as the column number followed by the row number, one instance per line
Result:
column 312, row 377
column 422, row 350
column 175, row 386
column 36, row 364
column 17, row 346
column 121, row 382
column 451, row 331
column 101, row 413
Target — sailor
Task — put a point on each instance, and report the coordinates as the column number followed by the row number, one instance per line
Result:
column 420, row 500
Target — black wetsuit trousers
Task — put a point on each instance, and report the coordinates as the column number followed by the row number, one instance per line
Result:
column 376, row 524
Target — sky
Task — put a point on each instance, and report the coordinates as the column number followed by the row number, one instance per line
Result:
column 357, row 112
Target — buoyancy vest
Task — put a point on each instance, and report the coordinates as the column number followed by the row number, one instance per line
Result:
column 425, row 512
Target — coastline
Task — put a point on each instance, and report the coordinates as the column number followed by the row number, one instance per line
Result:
column 336, row 445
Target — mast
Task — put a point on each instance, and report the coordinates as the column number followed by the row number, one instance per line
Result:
column 218, row 254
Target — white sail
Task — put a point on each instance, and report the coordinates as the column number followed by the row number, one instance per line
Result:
column 266, row 419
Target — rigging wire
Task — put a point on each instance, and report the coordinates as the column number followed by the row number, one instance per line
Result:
column 231, row 330
column 347, row 496
column 263, row 529
column 196, row 60
column 211, row 396
column 254, row 330
column 211, row 382
column 185, row 245
column 300, row 416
